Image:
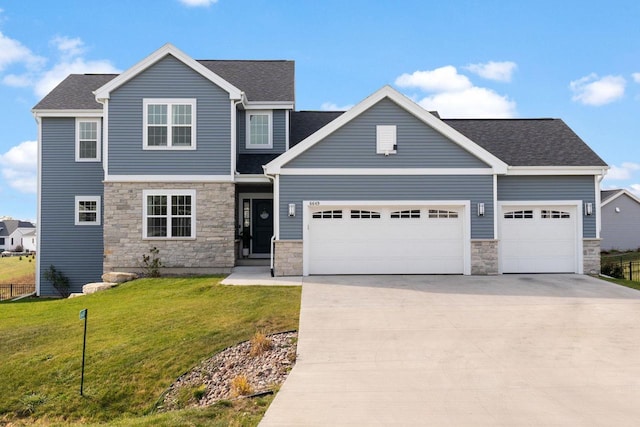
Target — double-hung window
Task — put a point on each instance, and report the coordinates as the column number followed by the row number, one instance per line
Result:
column 259, row 134
column 169, row 124
column 169, row 214
column 87, row 210
column 87, row 140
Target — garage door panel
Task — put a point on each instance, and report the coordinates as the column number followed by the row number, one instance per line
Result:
column 541, row 243
column 386, row 245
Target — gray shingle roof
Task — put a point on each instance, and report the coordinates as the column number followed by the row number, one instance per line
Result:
column 252, row 163
column 10, row 225
column 259, row 80
column 304, row 123
column 268, row 81
column 607, row 194
column 75, row 93
column 528, row 142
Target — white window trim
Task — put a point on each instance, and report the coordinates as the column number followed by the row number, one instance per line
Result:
column 98, row 139
column 169, row 102
column 169, row 193
column 248, row 144
column 76, row 209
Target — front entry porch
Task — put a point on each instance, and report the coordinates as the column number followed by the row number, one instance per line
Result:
column 254, row 227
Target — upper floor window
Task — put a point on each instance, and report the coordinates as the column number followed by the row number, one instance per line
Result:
column 386, row 142
column 259, row 129
column 87, row 140
column 87, row 210
column 169, row 124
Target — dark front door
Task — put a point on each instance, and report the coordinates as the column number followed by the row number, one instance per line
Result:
column 262, row 226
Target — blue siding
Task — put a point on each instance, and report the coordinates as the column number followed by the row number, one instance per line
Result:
column 76, row 251
column 169, row 78
column 523, row 188
column 476, row 188
column 279, row 130
column 354, row 144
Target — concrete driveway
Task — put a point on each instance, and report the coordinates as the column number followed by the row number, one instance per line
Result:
column 513, row 350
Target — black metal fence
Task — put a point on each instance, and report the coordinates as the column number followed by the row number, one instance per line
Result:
column 11, row 291
column 615, row 266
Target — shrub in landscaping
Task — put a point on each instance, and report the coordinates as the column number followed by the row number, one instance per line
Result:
column 240, row 386
column 59, row 281
column 612, row 270
column 259, row 344
column 151, row 263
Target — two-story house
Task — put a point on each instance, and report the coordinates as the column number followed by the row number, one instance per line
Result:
column 201, row 159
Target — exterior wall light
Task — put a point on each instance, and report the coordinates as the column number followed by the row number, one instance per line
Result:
column 588, row 209
column 292, row 209
column 480, row 209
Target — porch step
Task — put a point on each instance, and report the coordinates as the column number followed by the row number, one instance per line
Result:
column 253, row 262
column 251, row 269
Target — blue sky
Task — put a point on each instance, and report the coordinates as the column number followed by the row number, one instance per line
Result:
column 575, row 60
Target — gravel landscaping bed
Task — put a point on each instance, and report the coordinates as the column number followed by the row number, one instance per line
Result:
column 211, row 380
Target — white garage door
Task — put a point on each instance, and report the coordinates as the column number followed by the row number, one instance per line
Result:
column 386, row 240
column 538, row 239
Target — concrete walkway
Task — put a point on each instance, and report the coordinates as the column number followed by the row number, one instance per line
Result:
column 538, row 350
column 258, row 276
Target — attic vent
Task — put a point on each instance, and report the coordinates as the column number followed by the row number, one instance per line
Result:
column 386, row 139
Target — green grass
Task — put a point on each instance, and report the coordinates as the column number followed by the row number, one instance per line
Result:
column 16, row 270
column 141, row 336
column 623, row 282
column 617, row 256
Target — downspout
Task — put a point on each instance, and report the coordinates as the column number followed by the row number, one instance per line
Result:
column 234, row 134
column 598, row 200
column 276, row 217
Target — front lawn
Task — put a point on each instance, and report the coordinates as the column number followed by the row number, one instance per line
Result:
column 141, row 336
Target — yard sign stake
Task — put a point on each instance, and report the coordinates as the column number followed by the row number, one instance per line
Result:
column 83, row 315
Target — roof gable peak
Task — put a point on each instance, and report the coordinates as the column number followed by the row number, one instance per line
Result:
column 168, row 49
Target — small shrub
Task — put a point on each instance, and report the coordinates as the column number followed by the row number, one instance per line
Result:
column 612, row 270
column 59, row 281
column 200, row 392
column 259, row 344
column 20, row 258
column 19, row 248
column 30, row 403
column 240, row 386
column 151, row 263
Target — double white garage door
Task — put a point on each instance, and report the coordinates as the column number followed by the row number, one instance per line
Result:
column 386, row 240
column 367, row 239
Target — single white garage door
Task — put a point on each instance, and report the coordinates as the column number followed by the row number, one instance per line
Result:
column 386, row 240
column 538, row 239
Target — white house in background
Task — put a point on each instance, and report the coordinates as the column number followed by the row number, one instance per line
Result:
column 620, row 220
column 14, row 233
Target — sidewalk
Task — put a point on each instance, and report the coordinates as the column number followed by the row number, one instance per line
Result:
column 258, row 276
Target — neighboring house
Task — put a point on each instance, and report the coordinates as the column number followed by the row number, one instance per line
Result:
column 14, row 233
column 198, row 158
column 620, row 220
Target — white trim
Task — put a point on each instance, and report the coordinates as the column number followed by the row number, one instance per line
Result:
column 251, row 178
column 537, row 203
column 169, row 102
column 168, row 194
column 385, row 171
column 268, row 105
column 555, row 170
column 104, row 92
column 247, row 122
column 386, row 141
column 169, row 178
column 67, row 113
column 105, row 138
column 39, row 206
column 276, row 207
column 495, row 206
column 307, row 205
column 420, row 113
column 76, row 210
column 619, row 193
column 234, row 113
column 98, row 123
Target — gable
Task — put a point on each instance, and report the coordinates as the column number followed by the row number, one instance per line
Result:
column 418, row 144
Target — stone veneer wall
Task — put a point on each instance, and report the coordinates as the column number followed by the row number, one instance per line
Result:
column 484, row 257
column 212, row 251
column 288, row 258
column 591, row 256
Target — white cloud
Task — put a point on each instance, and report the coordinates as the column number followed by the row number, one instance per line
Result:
column 19, row 166
column 499, row 71
column 68, row 47
column 331, row 106
column 636, row 77
column 622, row 172
column 596, row 91
column 475, row 102
column 50, row 78
column 13, row 52
column 635, row 189
column 198, row 3
column 453, row 95
column 443, row 79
